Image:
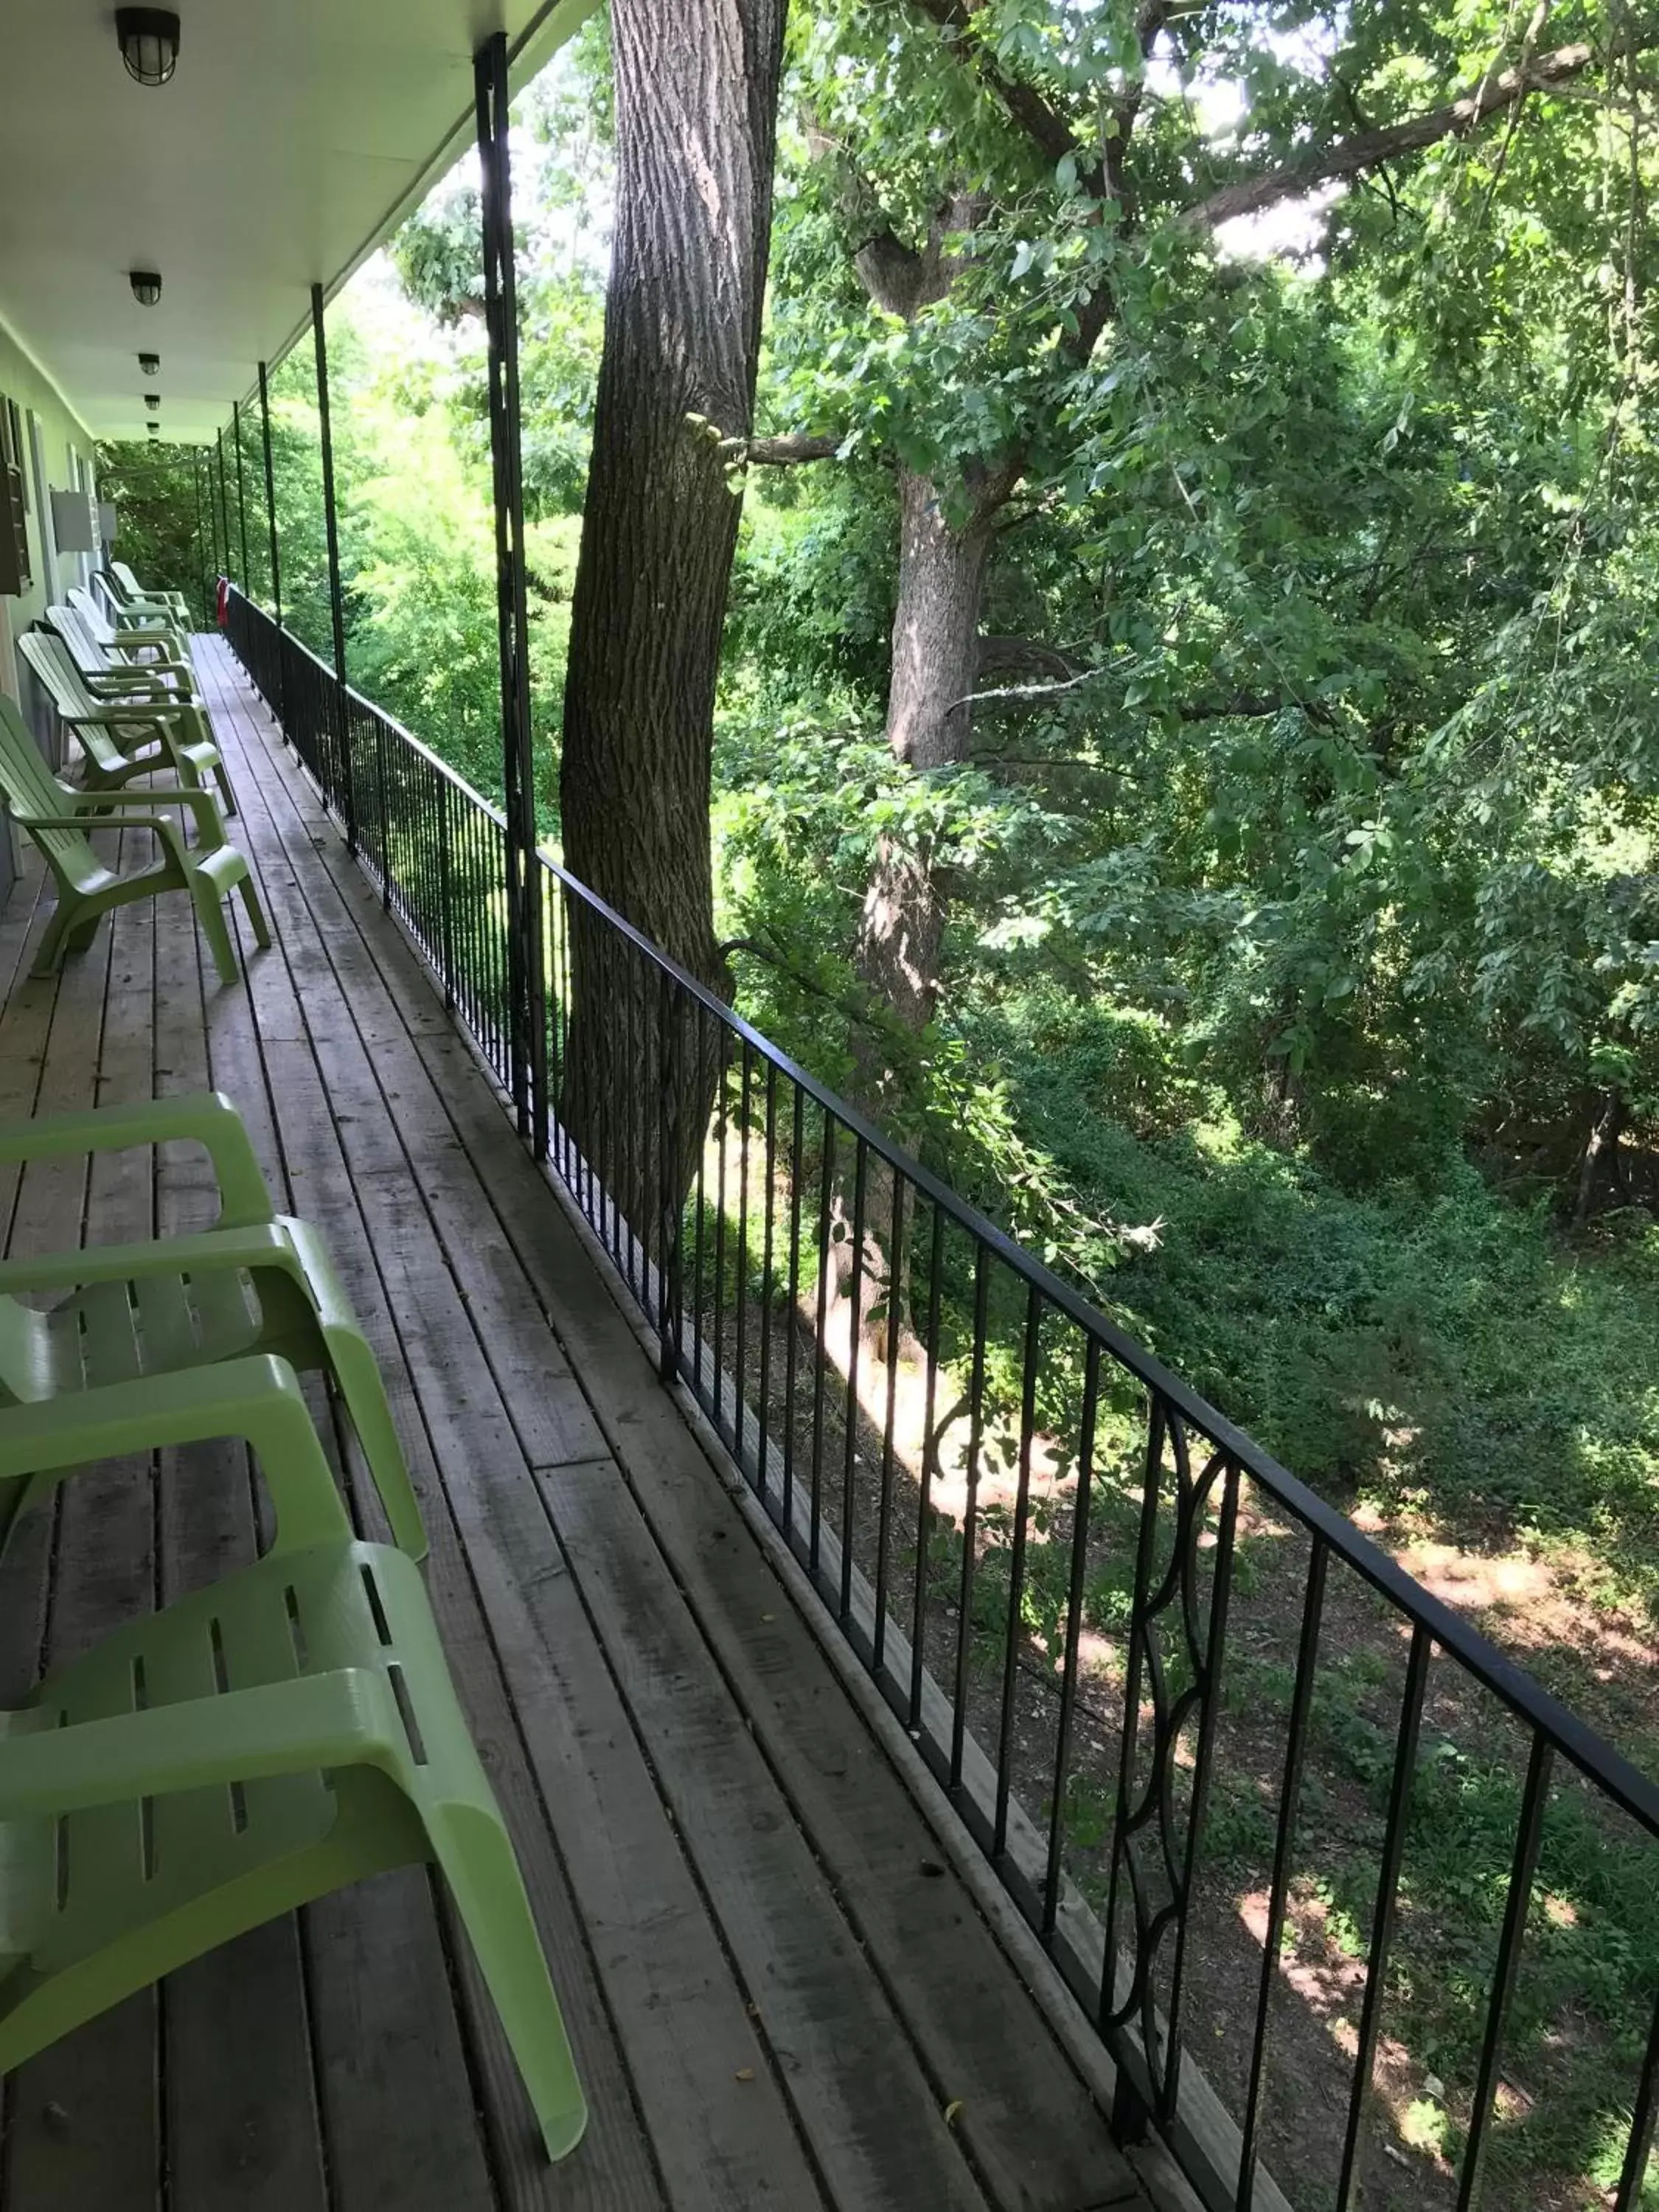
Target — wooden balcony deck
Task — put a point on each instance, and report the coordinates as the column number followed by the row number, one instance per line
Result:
column 782, row 1991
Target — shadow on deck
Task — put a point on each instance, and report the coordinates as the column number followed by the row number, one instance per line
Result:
column 782, row 1989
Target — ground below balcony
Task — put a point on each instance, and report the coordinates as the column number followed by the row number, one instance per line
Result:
column 781, row 1990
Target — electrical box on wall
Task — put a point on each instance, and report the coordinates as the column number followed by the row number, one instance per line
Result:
column 15, row 574
column 74, row 522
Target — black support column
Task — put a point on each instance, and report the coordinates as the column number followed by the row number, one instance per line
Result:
column 281, row 701
column 206, row 458
column 201, row 537
column 241, row 493
column 526, row 965
column 224, row 505
column 271, row 499
column 336, row 603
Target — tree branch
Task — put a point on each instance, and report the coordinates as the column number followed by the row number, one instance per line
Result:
column 1246, row 706
column 1243, row 705
column 859, row 1015
column 1045, row 125
column 1350, row 157
column 785, row 453
column 1008, row 655
column 1016, row 695
column 891, row 270
column 1055, row 139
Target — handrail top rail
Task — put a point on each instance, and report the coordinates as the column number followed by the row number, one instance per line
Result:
column 1634, row 1792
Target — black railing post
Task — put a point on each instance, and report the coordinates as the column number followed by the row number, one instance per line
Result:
column 224, row 503
column 445, row 895
column 341, row 727
column 668, row 1204
column 1641, row 2123
column 241, row 495
column 276, row 565
column 1382, row 1918
column 526, row 983
column 384, row 810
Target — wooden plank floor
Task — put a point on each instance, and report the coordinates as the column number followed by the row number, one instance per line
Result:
column 779, row 1995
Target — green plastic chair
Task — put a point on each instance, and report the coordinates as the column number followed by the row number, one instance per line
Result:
column 127, row 643
column 137, row 594
column 53, row 817
column 262, row 1743
column 257, row 1281
column 145, row 616
column 125, row 737
column 104, row 671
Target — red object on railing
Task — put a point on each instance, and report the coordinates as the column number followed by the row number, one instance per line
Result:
column 223, row 603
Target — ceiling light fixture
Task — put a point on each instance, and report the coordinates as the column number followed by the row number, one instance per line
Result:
column 155, row 429
column 150, row 43
column 146, row 286
column 152, row 400
column 150, row 364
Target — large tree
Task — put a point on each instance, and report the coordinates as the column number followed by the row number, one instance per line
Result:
column 696, row 90
column 1017, row 184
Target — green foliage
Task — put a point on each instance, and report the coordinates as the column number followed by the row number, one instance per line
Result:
column 1435, row 1353
column 153, row 487
column 1353, row 779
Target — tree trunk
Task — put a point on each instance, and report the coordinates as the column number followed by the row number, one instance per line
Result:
column 697, row 89
column 1600, row 1166
column 941, row 580
column 936, row 650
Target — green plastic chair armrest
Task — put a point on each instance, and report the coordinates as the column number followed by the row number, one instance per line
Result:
column 135, row 668
column 172, row 679
column 341, row 1718
column 257, row 1399
column 167, row 832
column 143, row 795
column 209, row 823
column 204, row 1117
column 260, row 1245
column 136, row 683
column 125, row 710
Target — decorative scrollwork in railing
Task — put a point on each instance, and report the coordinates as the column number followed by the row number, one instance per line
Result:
column 1160, row 1809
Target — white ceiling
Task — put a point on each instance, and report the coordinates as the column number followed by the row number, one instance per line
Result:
column 292, row 135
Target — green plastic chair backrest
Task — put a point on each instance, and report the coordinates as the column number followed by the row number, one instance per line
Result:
column 30, row 786
column 88, row 656
column 114, row 599
column 130, row 587
column 51, row 661
column 99, row 627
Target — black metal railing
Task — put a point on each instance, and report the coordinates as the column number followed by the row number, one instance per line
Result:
column 435, row 848
column 1125, row 1640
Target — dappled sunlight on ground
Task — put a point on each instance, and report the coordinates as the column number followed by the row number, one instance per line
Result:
column 1542, row 1607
